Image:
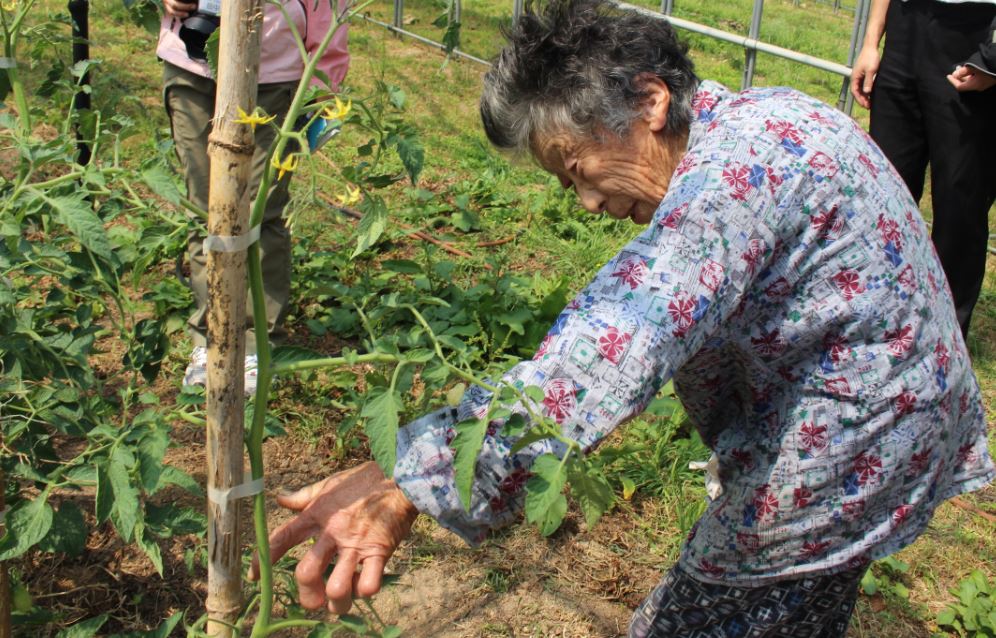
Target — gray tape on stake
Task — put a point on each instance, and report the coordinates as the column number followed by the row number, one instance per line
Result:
column 221, row 498
column 231, row 243
column 8, row 63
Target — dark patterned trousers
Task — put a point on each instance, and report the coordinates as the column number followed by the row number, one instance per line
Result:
column 683, row 607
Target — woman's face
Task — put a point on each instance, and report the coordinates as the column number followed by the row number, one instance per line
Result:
column 626, row 178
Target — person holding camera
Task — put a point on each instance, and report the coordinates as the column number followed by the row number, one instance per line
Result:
column 189, row 93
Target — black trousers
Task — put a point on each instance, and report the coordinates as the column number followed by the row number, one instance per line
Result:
column 918, row 118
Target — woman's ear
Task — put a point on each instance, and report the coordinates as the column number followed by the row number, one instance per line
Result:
column 656, row 101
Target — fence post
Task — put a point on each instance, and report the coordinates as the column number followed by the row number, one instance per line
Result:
column 230, row 149
column 399, row 14
column 5, row 602
column 846, row 101
column 750, row 55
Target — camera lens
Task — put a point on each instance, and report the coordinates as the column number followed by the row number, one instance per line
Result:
column 195, row 32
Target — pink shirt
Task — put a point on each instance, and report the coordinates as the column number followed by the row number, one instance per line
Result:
column 279, row 59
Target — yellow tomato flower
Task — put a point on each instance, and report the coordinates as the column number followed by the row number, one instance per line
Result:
column 254, row 118
column 8, row 5
column 350, row 197
column 340, row 111
column 287, row 166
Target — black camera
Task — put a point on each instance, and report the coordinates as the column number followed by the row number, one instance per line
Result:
column 198, row 27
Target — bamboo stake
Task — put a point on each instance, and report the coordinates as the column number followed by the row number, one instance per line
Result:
column 5, row 602
column 230, row 148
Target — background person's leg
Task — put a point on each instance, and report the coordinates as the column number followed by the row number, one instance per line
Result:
column 190, row 105
column 896, row 115
column 189, row 100
column 961, row 135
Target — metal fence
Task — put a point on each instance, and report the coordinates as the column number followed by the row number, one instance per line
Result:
column 750, row 42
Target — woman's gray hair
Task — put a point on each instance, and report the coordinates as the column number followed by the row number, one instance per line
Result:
column 575, row 67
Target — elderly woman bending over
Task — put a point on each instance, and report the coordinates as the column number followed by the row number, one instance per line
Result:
column 786, row 282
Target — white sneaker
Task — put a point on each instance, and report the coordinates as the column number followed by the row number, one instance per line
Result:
column 251, row 374
column 196, row 373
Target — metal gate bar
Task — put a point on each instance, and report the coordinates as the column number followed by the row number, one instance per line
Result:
column 750, row 43
column 424, row 40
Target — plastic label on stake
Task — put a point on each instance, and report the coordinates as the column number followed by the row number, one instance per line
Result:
column 221, row 497
column 231, row 243
column 8, row 63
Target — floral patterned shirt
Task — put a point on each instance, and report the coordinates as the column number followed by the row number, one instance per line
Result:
column 788, row 285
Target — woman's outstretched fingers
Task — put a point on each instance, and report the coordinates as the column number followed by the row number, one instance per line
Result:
column 339, row 589
column 368, row 583
column 283, row 538
column 311, row 570
column 303, row 497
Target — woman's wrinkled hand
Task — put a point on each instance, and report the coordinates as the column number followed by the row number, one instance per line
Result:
column 863, row 75
column 358, row 517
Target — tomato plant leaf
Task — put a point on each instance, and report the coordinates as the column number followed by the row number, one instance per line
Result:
column 530, row 437
column 545, row 502
column 85, row 629
column 75, row 213
column 161, row 183
column 419, row 355
column 172, row 475
column 549, row 521
column 148, row 545
column 451, row 38
column 27, row 523
column 412, row 156
column 126, row 506
column 405, row 266
column 324, row 630
column 466, row 448
column 381, row 414
column 391, row 631
column 68, row 532
column 151, row 449
column 535, row 393
column 592, row 491
column 105, row 495
column 355, row 624
column 166, row 629
column 372, row 225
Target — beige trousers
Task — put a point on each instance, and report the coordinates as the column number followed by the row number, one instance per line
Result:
column 189, row 102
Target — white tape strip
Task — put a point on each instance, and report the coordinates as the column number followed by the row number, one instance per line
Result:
column 8, row 63
column 231, row 243
column 221, row 498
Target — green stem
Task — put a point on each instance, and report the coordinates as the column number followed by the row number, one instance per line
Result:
column 16, row 86
column 366, row 323
column 373, row 612
column 288, row 624
column 190, row 418
column 329, row 362
column 255, row 439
